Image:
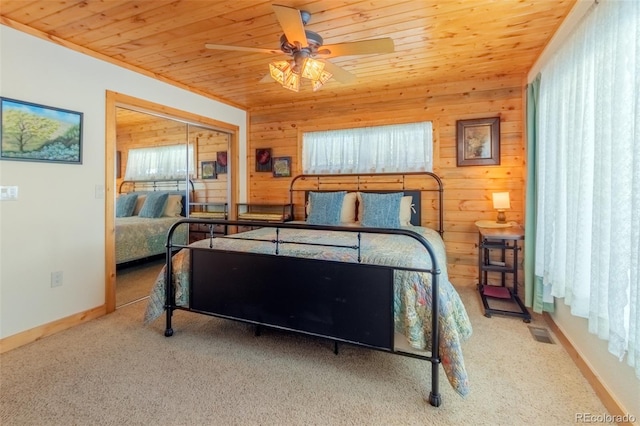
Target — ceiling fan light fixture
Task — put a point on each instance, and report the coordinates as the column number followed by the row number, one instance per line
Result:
column 289, row 74
column 312, row 69
column 292, row 82
column 303, row 46
column 279, row 71
column 319, row 82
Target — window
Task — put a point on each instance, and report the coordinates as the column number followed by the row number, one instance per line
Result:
column 381, row 149
column 588, row 176
column 160, row 162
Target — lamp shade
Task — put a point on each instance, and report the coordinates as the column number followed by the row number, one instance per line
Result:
column 279, row 71
column 292, row 82
column 312, row 69
column 324, row 77
column 501, row 200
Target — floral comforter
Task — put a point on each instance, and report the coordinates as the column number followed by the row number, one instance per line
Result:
column 140, row 237
column 412, row 293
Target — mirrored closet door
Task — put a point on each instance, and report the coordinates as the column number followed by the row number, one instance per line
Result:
column 160, row 154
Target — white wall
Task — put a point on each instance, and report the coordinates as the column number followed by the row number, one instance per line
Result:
column 58, row 221
column 617, row 376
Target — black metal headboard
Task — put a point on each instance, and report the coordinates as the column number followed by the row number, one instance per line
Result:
column 171, row 185
column 388, row 182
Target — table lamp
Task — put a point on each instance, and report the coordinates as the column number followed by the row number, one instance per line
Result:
column 500, row 203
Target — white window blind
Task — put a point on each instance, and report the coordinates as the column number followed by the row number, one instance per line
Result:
column 382, row 149
column 160, row 162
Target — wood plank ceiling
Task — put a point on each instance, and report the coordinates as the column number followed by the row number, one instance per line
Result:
column 435, row 41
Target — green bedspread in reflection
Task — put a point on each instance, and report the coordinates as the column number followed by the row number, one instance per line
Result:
column 141, row 237
column 412, row 293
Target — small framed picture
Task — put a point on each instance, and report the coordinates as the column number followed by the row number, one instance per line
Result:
column 221, row 162
column 263, row 160
column 208, row 170
column 281, row 166
column 478, row 142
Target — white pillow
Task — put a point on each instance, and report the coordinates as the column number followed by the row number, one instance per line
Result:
column 173, row 208
column 406, row 206
column 348, row 211
column 405, row 210
column 139, row 204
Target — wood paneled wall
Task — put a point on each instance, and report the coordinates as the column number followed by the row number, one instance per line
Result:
column 209, row 142
column 467, row 189
column 137, row 130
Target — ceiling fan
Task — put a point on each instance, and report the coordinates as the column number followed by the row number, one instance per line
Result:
column 303, row 46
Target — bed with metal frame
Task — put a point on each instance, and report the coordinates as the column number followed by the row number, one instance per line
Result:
column 290, row 283
column 140, row 238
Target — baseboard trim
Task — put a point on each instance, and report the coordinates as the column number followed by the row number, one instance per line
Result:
column 608, row 400
column 37, row 333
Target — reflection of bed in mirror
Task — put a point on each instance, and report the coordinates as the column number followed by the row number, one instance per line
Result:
column 145, row 210
column 360, row 277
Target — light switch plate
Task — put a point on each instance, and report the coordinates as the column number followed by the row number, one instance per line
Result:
column 99, row 191
column 8, row 193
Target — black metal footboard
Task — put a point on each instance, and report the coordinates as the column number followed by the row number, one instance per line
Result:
column 341, row 301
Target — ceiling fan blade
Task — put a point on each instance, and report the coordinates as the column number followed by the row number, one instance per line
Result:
column 339, row 73
column 363, row 47
column 291, row 22
column 240, row 48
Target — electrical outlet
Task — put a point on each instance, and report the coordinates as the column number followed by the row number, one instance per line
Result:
column 56, row 279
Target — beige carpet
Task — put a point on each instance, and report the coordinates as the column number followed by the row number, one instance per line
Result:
column 115, row 371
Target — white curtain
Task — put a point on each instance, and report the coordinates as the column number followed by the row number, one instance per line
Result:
column 159, row 162
column 588, row 229
column 381, row 149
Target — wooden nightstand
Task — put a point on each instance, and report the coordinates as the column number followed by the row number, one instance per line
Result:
column 201, row 231
column 498, row 259
column 268, row 213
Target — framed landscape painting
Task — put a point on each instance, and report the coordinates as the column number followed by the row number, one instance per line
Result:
column 478, row 142
column 32, row 132
column 281, row 166
column 208, row 170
